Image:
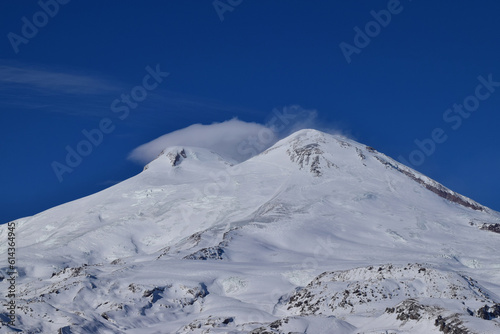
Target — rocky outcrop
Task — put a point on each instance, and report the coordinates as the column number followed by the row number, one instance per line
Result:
column 176, row 157
column 491, row 227
column 364, row 289
column 214, row 253
column 309, row 155
column 488, row 312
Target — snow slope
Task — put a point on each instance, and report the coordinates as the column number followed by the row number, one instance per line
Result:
column 318, row 234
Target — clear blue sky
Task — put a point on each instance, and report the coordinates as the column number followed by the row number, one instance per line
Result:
column 395, row 89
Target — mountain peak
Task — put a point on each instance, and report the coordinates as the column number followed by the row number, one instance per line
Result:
column 336, row 157
column 187, row 157
column 318, row 152
column 176, row 156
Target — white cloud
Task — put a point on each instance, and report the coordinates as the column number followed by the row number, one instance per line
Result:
column 234, row 139
column 229, row 139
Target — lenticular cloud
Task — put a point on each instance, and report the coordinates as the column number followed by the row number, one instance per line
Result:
column 231, row 139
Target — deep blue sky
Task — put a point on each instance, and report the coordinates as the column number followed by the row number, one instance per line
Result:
column 263, row 55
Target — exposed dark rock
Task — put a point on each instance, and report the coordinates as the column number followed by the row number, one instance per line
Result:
column 360, row 154
column 371, row 149
column 116, row 261
column 341, row 292
column 409, row 310
column 208, row 323
column 215, row 253
column 273, row 328
column 491, row 227
column 73, row 272
column 315, row 167
column 489, row 312
column 176, row 157
column 164, row 252
column 199, row 292
column 309, row 155
column 155, row 294
column 344, row 144
column 451, row 325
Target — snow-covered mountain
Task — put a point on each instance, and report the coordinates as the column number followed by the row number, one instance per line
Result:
column 318, row 234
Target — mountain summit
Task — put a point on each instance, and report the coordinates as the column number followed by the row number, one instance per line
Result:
column 317, row 234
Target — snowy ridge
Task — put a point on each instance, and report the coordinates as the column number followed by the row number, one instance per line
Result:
column 367, row 290
column 318, row 234
column 306, row 150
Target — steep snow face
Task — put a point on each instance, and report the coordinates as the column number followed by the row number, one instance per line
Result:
column 320, row 153
column 135, row 214
column 196, row 243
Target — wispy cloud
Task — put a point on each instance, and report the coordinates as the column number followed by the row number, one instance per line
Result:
column 72, row 92
column 53, row 82
column 48, row 89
